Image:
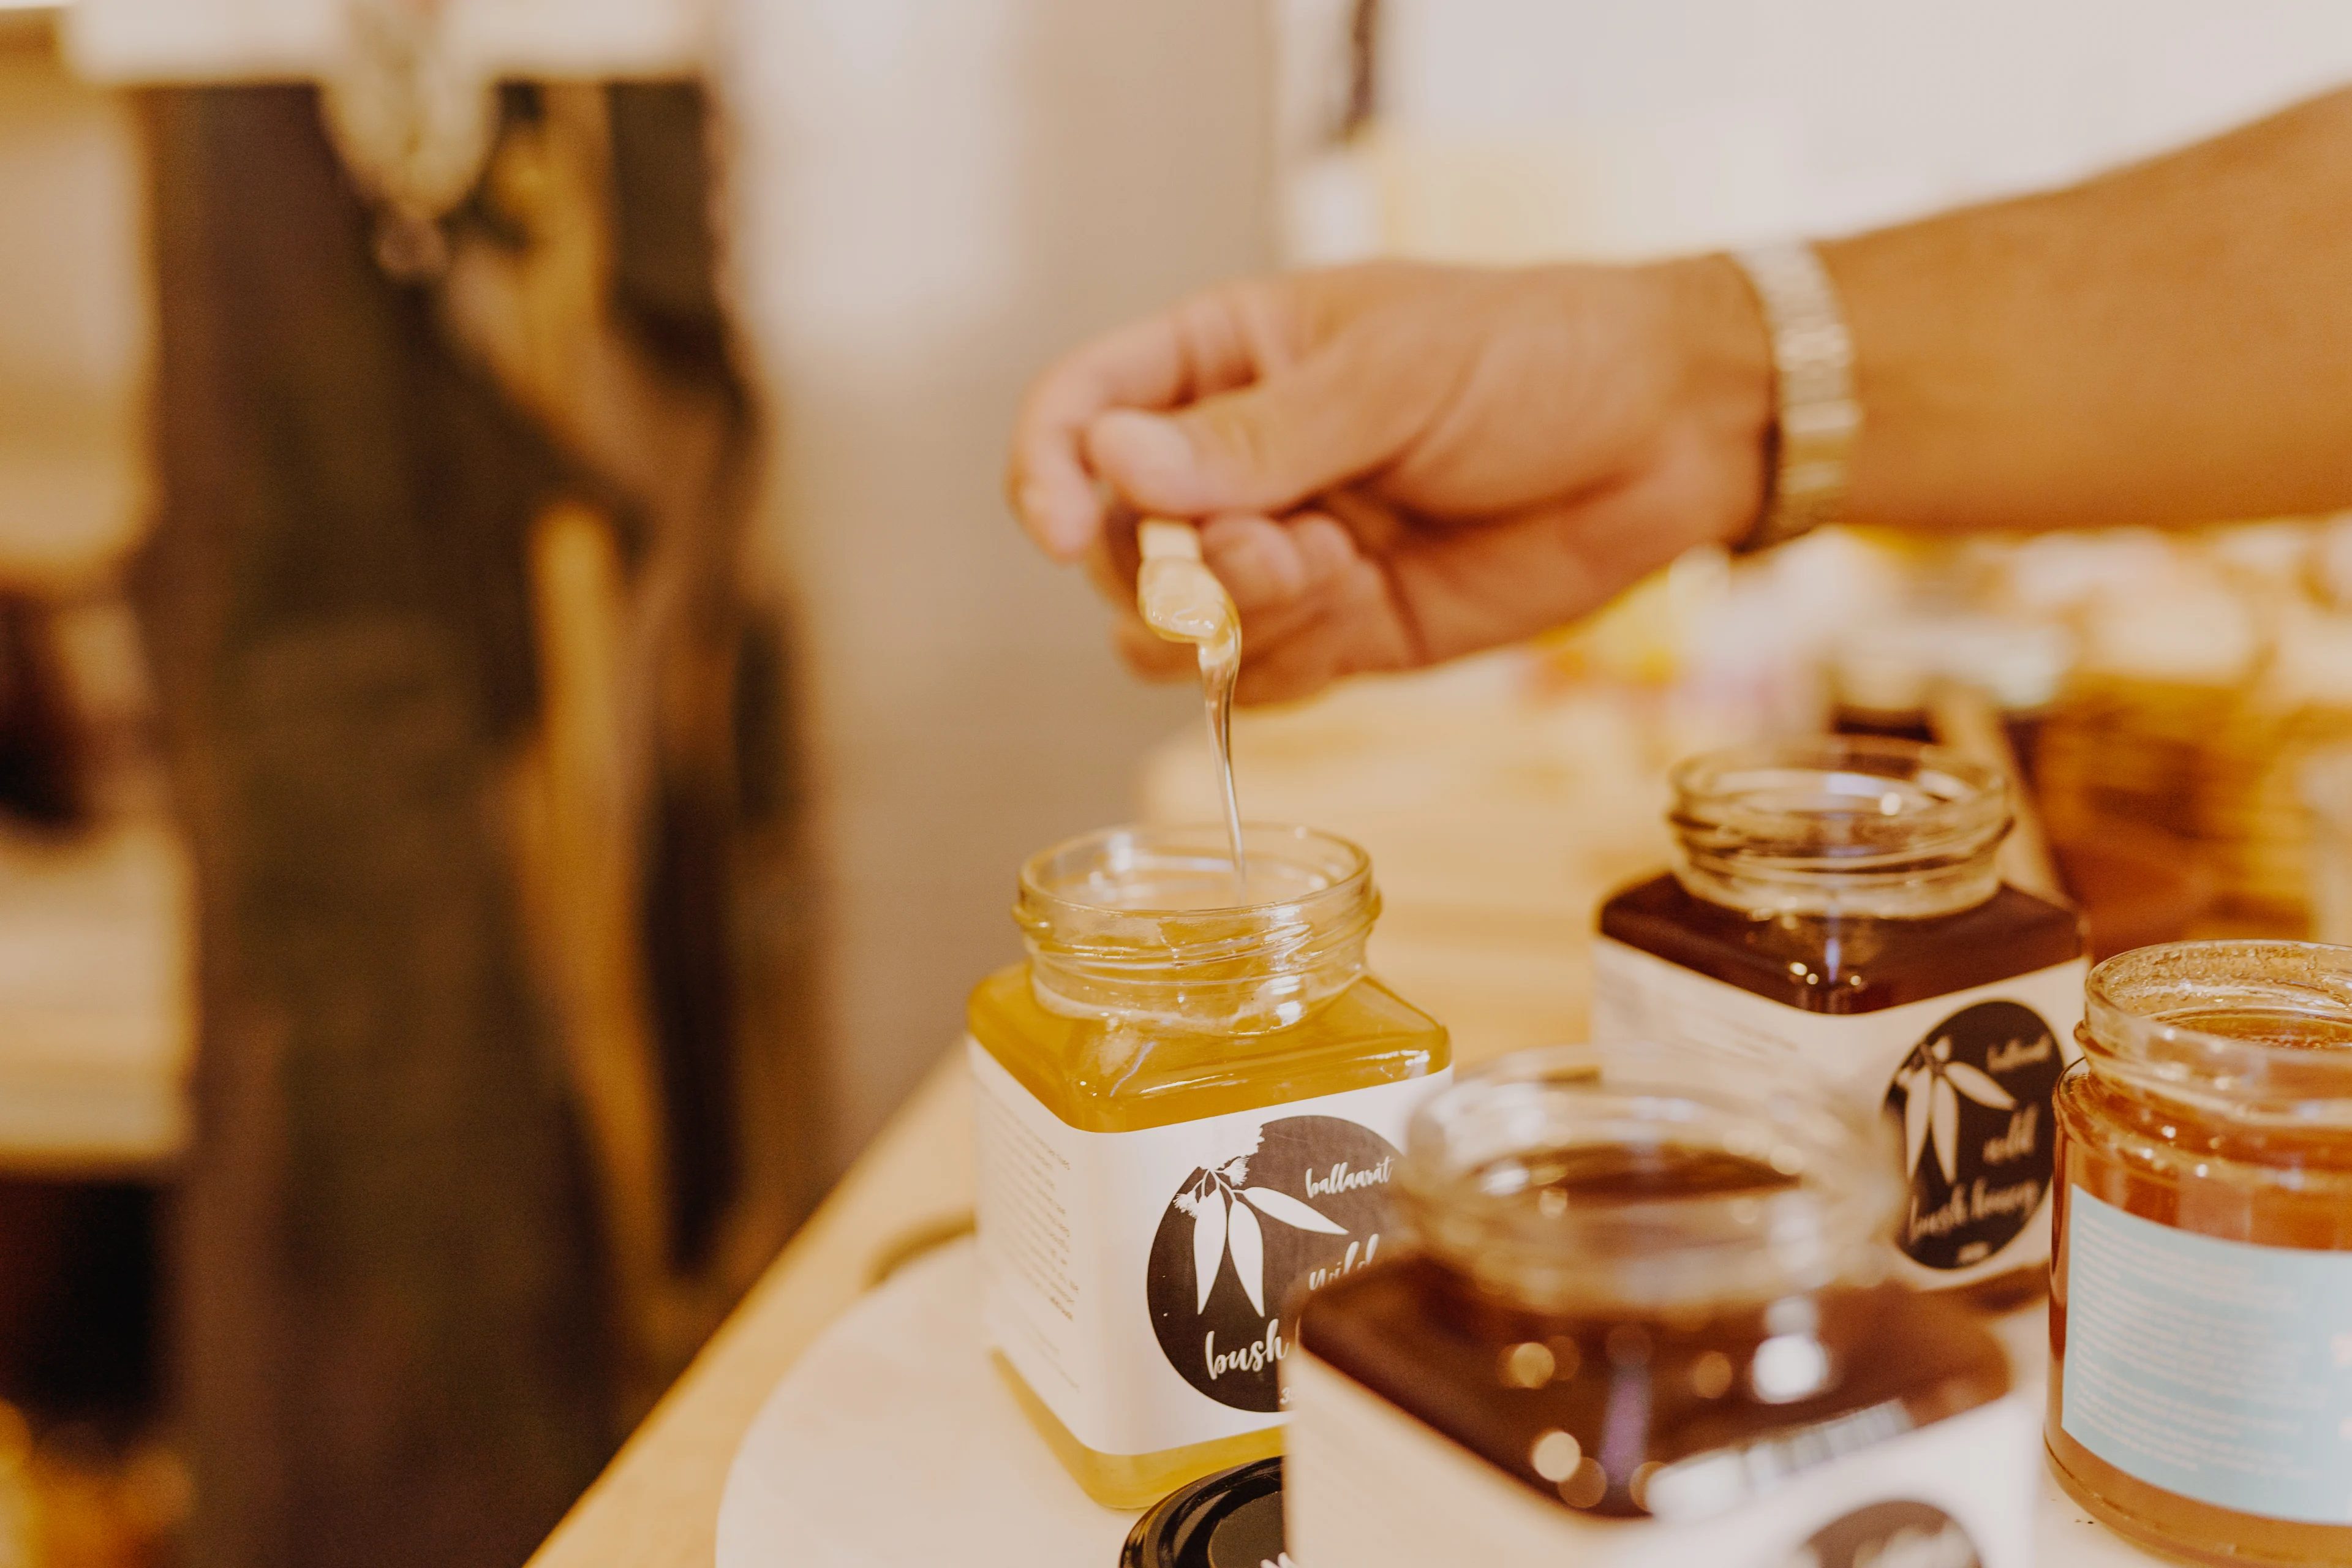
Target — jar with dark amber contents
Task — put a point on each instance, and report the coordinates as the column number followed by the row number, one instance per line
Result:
column 1838, row 899
column 1643, row 1318
column 2200, row 1321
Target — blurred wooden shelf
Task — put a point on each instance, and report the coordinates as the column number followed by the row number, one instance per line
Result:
column 97, row 1020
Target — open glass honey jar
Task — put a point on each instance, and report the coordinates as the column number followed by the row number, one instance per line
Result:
column 1191, row 1099
column 1641, row 1318
column 1838, row 900
column 2200, row 1321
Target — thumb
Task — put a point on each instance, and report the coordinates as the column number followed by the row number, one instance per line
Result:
column 1298, row 432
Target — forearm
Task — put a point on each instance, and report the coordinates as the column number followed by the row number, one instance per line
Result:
column 2168, row 344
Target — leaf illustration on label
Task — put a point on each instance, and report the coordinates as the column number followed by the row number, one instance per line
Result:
column 1208, row 1244
column 1301, row 1204
column 1979, row 1086
column 1248, row 1246
column 1977, row 1089
column 1931, row 1103
column 1912, row 1081
column 1290, row 1211
column 1947, row 1123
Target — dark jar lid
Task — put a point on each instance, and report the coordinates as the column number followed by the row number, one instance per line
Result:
column 1230, row 1520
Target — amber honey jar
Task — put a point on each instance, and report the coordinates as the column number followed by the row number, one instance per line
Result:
column 1190, row 1101
column 2200, row 1321
column 1642, row 1318
column 1838, row 899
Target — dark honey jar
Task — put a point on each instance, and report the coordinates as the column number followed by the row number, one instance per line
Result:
column 1838, row 899
column 1644, row 1317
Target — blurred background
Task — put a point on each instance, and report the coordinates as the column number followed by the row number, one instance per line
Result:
column 521, row 703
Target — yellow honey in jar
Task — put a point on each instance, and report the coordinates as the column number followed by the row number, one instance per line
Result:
column 1190, row 1101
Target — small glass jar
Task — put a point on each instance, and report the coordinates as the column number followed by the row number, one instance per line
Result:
column 1191, row 1099
column 1647, row 1283
column 1839, row 899
column 2200, row 1321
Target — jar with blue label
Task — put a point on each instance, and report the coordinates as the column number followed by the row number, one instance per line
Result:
column 1191, row 1099
column 2200, row 1323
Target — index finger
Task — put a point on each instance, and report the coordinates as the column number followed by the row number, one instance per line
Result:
column 1193, row 349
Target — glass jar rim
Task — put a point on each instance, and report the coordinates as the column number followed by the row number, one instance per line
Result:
column 1715, row 791
column 2139, row 1028
column 1132, row 922
column 1338, row 863
column 1855, row 825
column 1651, row 1251
column 1323, row 877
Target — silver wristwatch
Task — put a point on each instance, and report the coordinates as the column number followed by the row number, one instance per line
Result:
column 1816, row 417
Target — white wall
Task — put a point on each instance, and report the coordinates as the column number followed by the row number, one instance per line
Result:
column 933, row 197
column 1675, row 123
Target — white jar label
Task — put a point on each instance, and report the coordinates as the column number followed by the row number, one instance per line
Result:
column 1967, row 1076
column 1141, row 1282
column 1365, row 1485
column 2219, row 1371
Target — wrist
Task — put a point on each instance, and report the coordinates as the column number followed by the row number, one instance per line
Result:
column 1727, row 386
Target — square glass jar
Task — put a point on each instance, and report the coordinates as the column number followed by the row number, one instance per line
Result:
column 1839, row 899
column 1191, row 1096
column 1641, row 1318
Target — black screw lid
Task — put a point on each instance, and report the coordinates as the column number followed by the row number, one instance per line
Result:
column 1230, row 1520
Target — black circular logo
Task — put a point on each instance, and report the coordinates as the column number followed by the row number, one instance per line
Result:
column 1973, row 1101
column 1890, row 1535
column 1303, row 1205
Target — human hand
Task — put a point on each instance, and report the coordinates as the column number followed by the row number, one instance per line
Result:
column 1393, row 464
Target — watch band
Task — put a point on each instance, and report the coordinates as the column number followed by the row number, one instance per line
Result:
column 1816, row 417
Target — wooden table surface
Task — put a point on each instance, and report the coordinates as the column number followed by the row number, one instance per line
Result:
column 656, row 1505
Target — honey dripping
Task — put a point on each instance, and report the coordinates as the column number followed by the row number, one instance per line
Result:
column 1180, row 598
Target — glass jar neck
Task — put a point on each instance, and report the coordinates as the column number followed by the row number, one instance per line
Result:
column 1148, row 925
column 1646, row 1179
column 1841, row 826
column 2256, row 1033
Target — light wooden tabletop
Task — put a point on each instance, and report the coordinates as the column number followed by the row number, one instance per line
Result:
column 656, row 1505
